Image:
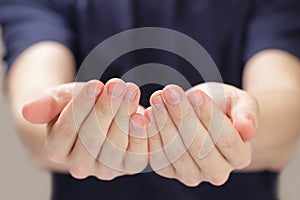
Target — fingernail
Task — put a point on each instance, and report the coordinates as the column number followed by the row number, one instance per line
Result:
column 172, row 96
column 158, row 103
column 196, row 99
column 93, row 91
column 115, row 91
column 130, row 95
column 137, row 124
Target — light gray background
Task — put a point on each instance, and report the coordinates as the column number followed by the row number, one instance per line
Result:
column 19, row 179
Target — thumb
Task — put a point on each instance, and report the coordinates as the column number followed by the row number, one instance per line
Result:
column 240, row 106
column 46, row 107
column 244, row 114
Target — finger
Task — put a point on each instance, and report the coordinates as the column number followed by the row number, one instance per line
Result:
column 91, row 135
column 221, row 130
column 109, row 102
column 83, row 158
column 136, row 158
column 141, row 109
column 190, row 128
column 63, row 133
column 196, row 138
column 239, row 106
column 46, row 107
column 104, row 172
column 94, row 129
column 245, row 126
column 172, row 143
column 157, row 156
column 214, row 167
column 182, row 114
column 116, row 142
column 244, row 114
column 81, row 163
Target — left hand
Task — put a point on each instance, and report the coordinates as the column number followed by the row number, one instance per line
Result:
column 184, row 129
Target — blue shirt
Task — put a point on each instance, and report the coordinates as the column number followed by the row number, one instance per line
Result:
column 231, row 31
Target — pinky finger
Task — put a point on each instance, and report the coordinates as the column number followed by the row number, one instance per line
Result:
column 137, row 152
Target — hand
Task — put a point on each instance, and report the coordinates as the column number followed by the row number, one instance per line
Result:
column 97, row 130
column 193, row 139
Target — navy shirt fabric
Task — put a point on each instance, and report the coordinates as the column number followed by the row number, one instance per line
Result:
column 231, row 31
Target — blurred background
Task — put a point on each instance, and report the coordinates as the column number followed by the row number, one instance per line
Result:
column 21, row 180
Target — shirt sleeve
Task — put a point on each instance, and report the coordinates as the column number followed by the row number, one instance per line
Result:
column 275, row 24
column 26, row 22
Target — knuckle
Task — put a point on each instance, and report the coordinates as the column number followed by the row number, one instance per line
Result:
column 78, row 171
column 187, row 116
column 191, row 182
column 166, row 125
column 55, row 157
column 138, row 165
column 106, row 175
column 118, row 147
column 63, row 92
column 175, row 151
column 158, row 160
column 104, row 108
column 155, row 159
column 66, row 130
column 243, row 163
column 91, row 145
column 181, row 116
column 228, row 142
column 219, row 179
column 152, row 132
column 134, row 141
column 154, row 139
column 78, row 104
column 205, row 116
column 166, row 172
column 52, row 153
column 174, row 154
column 178, row 117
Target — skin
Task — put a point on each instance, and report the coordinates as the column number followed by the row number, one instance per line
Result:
column 92, row 140
column 188, row 116
column 177, row 123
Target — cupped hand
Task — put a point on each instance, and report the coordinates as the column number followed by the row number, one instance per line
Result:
column 101, row 130
column 193, row 138
column 94, row 129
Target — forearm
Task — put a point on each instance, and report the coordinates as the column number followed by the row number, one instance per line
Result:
column 38, row 68
column 278, row 129
column 273, row 77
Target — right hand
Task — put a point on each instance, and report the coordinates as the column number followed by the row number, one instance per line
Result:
column 96, row 131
